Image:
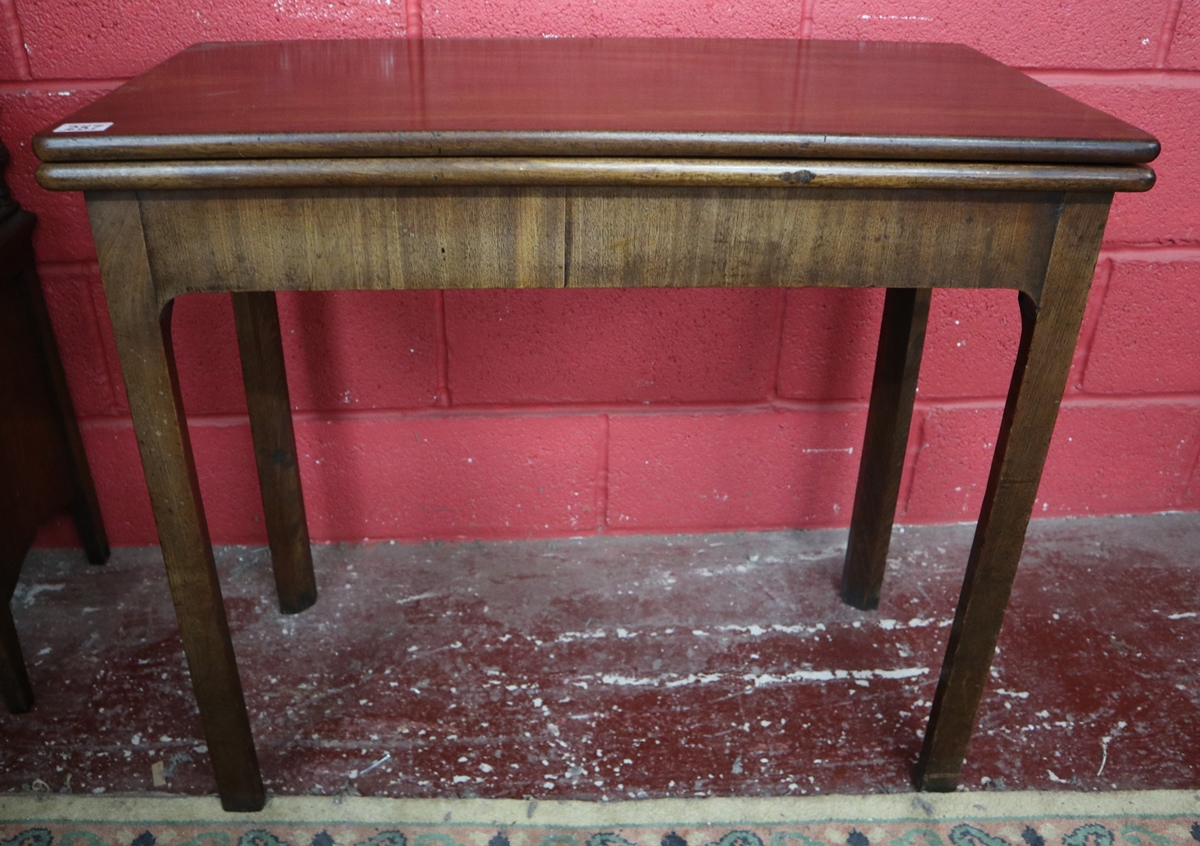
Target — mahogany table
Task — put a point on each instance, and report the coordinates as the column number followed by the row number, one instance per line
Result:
column 364, row 165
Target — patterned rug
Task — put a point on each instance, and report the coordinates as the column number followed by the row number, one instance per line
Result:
column 1153, row 818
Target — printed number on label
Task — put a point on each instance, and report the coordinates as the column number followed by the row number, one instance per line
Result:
column 83, row 127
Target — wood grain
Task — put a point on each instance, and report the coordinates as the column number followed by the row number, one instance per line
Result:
column 580, row 97
column 897, row 366
column 798, row 174
column 370, row 239
column 1049, row 330
column 267, row 399
column 364, row 239
column 693, row 237
column 142, row 329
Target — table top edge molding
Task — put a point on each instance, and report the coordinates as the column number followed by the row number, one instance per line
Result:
column 613, row 172
column 772, row 98
column 94, row 147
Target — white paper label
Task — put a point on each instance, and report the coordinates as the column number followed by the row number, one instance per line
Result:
column 83, row 127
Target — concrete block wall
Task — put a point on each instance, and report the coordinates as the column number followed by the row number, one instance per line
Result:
column 548, row 413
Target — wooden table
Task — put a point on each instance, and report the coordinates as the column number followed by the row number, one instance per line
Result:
column 366, row 165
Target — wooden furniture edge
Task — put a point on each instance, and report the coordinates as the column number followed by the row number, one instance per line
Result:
column 565, row 237
column 93, row 147
column 608, row 172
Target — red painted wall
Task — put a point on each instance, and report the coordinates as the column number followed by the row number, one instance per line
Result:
column 514, row 414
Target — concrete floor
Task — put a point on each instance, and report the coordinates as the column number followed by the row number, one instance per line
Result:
column 624, row 667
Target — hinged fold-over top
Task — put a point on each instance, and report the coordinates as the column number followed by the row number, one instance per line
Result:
column 599, row 102
column 628, row 97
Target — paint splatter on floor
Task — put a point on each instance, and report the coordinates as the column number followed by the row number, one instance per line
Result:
column 623, row 668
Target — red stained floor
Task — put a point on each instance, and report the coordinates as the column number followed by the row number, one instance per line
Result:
column 624, row 667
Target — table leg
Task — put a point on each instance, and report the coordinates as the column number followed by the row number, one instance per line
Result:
column 897, row 364
column 261, row 347
column 143, row 334
column 85, row 505
column 14, row 680
column 1049, row 329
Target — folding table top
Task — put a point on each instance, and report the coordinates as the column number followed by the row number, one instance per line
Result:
column 702, row 98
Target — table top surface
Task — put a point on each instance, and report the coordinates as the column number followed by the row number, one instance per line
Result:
column 581, row 97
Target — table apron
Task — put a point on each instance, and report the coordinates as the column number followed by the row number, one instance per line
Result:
column 594, row 237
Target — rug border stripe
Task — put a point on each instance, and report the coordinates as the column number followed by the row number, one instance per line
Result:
column 904, row 808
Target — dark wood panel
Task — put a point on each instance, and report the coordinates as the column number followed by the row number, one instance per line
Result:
column 371, row 239
column 693, row 237
column 43, row 467
column 705, row 97
column 355, row 239
column 35, row 470
column 85, row 504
